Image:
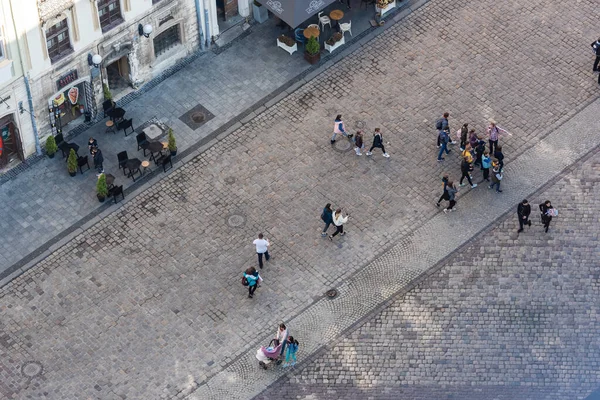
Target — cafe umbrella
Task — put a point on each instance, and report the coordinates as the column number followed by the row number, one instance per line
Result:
column 295, row 12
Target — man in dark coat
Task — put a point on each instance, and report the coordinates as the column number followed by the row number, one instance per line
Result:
column 523, row 211
column 98, row 160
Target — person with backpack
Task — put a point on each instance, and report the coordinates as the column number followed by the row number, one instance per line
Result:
column 338, row 127
column 442, row 125
column 290, row 357
column 444, row 139
column 466, row 168
column 339, row 220
column 496, row 177
column 359, row 144
column 523, row 211
column 251, row 278
column 596, row 50
column 378, row 142
column 327, row 217
column 444, row 195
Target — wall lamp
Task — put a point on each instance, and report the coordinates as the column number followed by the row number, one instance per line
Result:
column 145, row 30
column 94, row 60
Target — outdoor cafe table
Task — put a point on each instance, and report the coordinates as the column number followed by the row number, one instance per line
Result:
column 311, row 32
column 154, row 147
column 336, row 15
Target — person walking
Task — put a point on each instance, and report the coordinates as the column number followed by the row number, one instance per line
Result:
column 465, row 168
column 282, row 336
column 98, row 161
column 359, row 144
column 494, row 133
column 451, row 187
column 377, row 142
column 547, row 213
column 262, row 248
column 339, row 220
column 496, row 178
column 444, row 139
column 442, row 125
column 444, row 195
column 486, row 162
column 252, row 278
column 596, row 50
column 473, row 139
column 498, row 155
column 290, row 357
column 479, row 150
column 92, row 145
column 523, row 211
column 327, row 217
column 464, row 131
column 338, row 127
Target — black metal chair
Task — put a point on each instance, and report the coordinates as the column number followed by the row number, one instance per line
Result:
column 142, row 142
column 122, row 157
column 81, row 161
column 126, row 124
column 108, row 106
column 164, row 160
column 66, row 149
column 115, row 191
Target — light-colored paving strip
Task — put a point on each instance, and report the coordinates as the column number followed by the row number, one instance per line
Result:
column 414, row 255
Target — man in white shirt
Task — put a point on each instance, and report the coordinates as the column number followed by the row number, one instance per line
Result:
column 262, row 247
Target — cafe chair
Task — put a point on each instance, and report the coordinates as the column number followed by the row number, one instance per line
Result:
column 346, row 27
column 299, row 36
column 142, row 142
column 323, row 20
column 81, row 161
column 164, row 160
column 122, row 157
column 125, row 124
column 116, row 191
column 108, row 106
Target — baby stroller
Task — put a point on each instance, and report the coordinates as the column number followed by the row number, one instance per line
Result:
column 269, row 355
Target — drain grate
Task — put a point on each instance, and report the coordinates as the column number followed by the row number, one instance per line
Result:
column 196, row 117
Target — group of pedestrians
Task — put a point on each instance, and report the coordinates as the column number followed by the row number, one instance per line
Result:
column 250, row 276
column 96, row 154
column 338, row 218
column 547, row 211
column 358, row 140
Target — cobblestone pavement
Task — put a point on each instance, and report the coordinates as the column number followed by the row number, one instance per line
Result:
column 507, row 317
column 147, row 303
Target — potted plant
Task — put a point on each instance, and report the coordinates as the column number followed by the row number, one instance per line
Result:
column 72, row 163
column 51, row 147
column 259, row 12
column 336, row 40
column 287, row 43
column 313, row 51
column 101, row 188
column 172, row 143
column 107, row 93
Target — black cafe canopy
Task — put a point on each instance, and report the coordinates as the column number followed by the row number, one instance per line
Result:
column 295, row 12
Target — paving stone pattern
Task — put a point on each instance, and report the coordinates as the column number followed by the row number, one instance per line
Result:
column 147, row 302
column 508, row 317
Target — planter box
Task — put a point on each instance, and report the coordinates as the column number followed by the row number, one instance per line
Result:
column 313, row 59
column 289, row 49
column 384, row 10
column 335, row 46
column 260, row 14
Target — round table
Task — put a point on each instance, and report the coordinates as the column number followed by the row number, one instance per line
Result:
column 145, row 164
column 133, row 164
column 311, row 32
column 336, row 15
column 154, row 147
column 165, row 145
column 110, row 127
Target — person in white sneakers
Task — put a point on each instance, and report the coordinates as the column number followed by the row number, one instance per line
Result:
column 451, row 188
column 359, row 144
column 377, row 142
column 339, row 220
column 262, row 247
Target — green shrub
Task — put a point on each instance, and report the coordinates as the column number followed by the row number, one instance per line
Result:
column 101, row 187
column 51, row 147
column 172, row 143
column 72, row 161
column 312, row 46
column 107, row 93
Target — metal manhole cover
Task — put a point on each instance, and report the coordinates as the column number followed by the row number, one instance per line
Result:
column 31, row 369
column 360, row 125
column 198, row 117
column 229, row 180
column 343, row 145
column 236, row 220
column 331, row 293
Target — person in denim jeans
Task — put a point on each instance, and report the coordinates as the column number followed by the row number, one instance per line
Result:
column 444, row 139
column 496, row 179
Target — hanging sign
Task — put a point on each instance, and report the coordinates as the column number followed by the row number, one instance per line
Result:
column 66, row 79
column 73, row 95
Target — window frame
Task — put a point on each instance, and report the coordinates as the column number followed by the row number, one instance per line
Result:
column 177, row 26
column 115, row 16
column 50, row 35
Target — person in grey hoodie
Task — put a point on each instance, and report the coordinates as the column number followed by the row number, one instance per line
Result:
column 451, row 188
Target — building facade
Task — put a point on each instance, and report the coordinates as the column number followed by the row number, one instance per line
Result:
column 17, row 136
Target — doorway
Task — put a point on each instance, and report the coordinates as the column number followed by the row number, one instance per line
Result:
column 117, row 75
column 10, row 142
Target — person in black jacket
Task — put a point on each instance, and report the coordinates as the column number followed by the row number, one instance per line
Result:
column 327, row 217
column 377, row 142
column 98, row 160
column 465, row 169
column 546, row 210
column 596, row 50
column 444, row 195
column 523, row 211
column 500, row 157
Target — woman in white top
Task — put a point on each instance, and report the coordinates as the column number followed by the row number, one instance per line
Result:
column 281, row 336
column 339, row 220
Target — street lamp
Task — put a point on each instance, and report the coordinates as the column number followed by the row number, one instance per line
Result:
column 94, row 60
column 145, row 30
